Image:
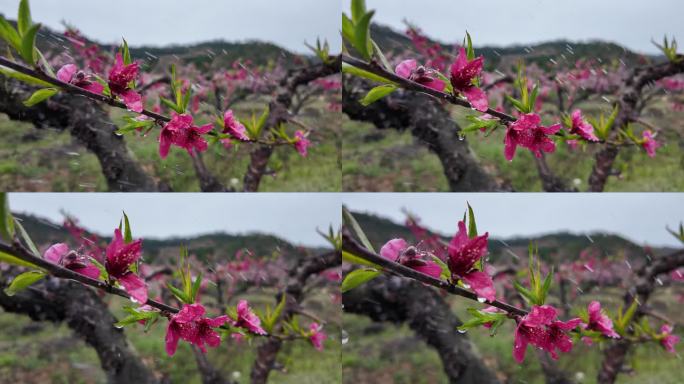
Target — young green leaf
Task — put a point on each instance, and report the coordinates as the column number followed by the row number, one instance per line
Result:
column 9, row 34
column 472, row 226
column 6, row 219
column 347, row 29
column 27, row 239
column 349, row 219
column 180, row 295
column 381, row 56
column 358, row 10
column 128, row 235
column 362, row 40
column 196, row 287
column 39, row 96
column 170, row 104
column 126, row 53
column 377, row 93
column 12, row 260
column 358, row 277
column 353, row 259
column 24, row 22
column 349, row 69
column 23, row 281
column 28, row 45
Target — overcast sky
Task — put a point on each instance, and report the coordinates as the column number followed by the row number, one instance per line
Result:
column 161, row 22
column 641, row 217
column 293, row 217
column 503, row 22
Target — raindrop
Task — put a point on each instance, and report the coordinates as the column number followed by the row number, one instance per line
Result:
column 481, row 299
column 466, row 286
column 461, row 331
column 660, row 282
column 589, row 238
column 345, row 337
column 628, row 264
column 588, row 268
column 607, row 100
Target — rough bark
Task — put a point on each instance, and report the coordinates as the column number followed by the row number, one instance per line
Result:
column 297, row 278
column 398, row 300
column 430, row 123
column 209, row 374
column 614, row 356
column 280, row 113
column 88, row 317
column 89, row 124
column 629, row 96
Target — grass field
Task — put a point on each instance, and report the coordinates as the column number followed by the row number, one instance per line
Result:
column 52, row 354
column 44, row 160
column 395, row 355
column 388, row 160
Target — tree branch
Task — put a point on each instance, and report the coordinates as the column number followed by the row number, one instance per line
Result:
column 350, row 245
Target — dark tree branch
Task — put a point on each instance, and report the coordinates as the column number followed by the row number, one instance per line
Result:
column 88, row 317
column 88, row 123
column 550, row 181
column 614, row 356
column 629, row 95
column 413, row 86
column 429, row 122
column 297, row 279
column 397, row 300
column 350, row 245
column 279, row 113
column 208, row 182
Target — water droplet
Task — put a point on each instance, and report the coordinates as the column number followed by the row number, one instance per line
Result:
column 461, row 331
column 345, row 337
column 481, row 299
column 466, row 286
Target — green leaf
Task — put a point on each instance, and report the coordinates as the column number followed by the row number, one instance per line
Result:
column 470, row 52
column 6, row 219
column 23, row 281
column 196, row 287
column 377, row 93
column 353, row 259
column 351, row 221
column 28, row 45
column 261, row 123
column 358, row 10
column 381, row 56
column 126, row 53
column 525, row 293
column 27, row 239
column 349, row 69
column 362, row 41
column 170, row 104
column 39, row 96
column 128, row 235
column 180, row 295
column 347, row 29
column 103, row 270
column 24, row 22
column 358, row 277
column 472, row 226
column 135, row 316
column 186, row 99
column 13, row 260
column 546, row 287
column 9, row 34
column 445, row 275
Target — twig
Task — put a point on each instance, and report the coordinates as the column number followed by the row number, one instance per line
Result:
column 350, row 245
column 413, row 86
